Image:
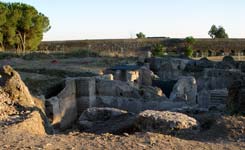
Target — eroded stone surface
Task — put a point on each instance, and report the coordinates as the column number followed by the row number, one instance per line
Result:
column 185, row 89
column 164, row 121
column 104, row 120
column 12, row 84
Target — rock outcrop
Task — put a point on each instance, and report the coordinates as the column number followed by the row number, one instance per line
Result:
column 12, row 84
column 19, row 111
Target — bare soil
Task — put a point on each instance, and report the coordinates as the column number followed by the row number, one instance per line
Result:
column 75, row 140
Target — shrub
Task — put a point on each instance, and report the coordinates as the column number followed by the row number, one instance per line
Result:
column 188, row 51
column 158, row 50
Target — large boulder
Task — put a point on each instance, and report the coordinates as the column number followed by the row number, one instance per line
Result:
column 103, row 120
column 164, row 121
column 185, row 89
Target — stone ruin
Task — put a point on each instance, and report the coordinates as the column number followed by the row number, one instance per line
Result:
column 199, row 84
column 124, row 98
column 82, row 93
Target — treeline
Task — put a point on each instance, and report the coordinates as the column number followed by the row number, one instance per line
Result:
column 21, row 26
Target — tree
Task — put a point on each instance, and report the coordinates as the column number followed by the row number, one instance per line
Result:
column 219, row 32
column 24, row 27
column 189, row 41
column 140, row 35
column 3, row 13
column 212, row 31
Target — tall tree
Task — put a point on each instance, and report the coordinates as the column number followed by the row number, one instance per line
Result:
column 219, row 32
column 212, row 31
column 30, row 27
column 24, row 26
column 3, row 13
column 140, row 35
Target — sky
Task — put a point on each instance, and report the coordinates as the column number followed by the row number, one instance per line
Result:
column 110, row 19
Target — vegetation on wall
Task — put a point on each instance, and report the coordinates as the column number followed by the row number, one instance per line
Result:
column 21, row 26
column 217, row 32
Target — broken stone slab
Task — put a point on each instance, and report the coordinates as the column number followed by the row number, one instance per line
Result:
column 186, row 89
column 106, row 120
column 136, row 105
column 164, row 121
column 145, row 76
column 150, row 92
column 101, row 113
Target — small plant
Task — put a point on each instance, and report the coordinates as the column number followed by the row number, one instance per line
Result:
column 158, row 50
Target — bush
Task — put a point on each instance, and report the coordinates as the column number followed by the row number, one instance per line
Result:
column 189, row 51
column 6, row 55
column 158, row 50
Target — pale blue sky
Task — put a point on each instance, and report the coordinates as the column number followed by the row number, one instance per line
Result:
column 98, row 19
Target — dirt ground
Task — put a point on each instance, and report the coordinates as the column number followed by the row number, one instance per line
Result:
column 76, row 141
column 217, row 132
